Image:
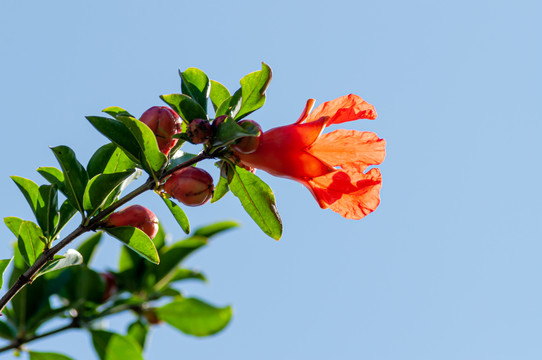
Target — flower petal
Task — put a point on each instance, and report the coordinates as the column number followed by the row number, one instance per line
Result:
column 346, row 108
column 349, row 193
column 342, row 147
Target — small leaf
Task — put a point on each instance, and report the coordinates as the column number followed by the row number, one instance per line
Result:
column 47, row 211
column 229, row 131
column 112, row 346
column 258, row 201
column 173, row 255
column 136, row 240
column 3, row 266
column 109, row 159
column 222, row 188
column 88, row 247
column 178, row 214
column 75, row 176
column 116, row 111
column 195, row 317
column 138, row 331
column 218, row 94
column 70, row 258
column 230, row 106
column 179, row 158
column 66, row 212
column 29, row 237
column 100, row 187
column 186, row 107
column 195, row 84
column 253, row 88
column 150, row 156
column 30, row 191
column 54, row 176
column 47, row 356
column 186, row 274
column 216, row 228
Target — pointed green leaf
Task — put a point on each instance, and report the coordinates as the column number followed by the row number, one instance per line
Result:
column 112, row 346
column 195, row 317
column 75, row 176
column 136, row 240
column 3, row 266
column 118, row 133
column 47, row 356
column 70, row 258
column 88, row 247
column 108, row 159
column 116, row 111
column 258, row 201
column 179, row 158
column 54, row 176
column 186, row 274
column 172, row 256
column 6, row 331
column 216, row 228
column 29, row 238
column 47, row 211
column 222, row 188
column 100, row 187
column 66, row 212
column 178, row 214
column 218, row 94
column 231, row 105
column 138, row 331
column 30, row 191
column 253, row 88
column 230, row 131
column 185, row 106
column 149, row 154
column 195, row 84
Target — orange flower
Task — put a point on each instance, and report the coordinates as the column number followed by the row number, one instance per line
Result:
column 332, row 166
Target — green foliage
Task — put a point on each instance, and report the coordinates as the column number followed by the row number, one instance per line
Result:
column 3, row 266
column 196, row 84
column 136, row 240
column 187, row 108
column 230, row 131
column 47, row 356
column 218, row 94
column 75, row 176
column 253, row 87
column 101, row 187
column 112, row 346
column 178, row 214
column 30, row 239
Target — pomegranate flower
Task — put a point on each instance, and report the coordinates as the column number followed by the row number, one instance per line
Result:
column 332, row 166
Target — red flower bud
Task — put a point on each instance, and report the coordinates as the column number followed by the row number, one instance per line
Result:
column 137, row 216
column 199, row 131
column 164, row 123
column 191, row 186
column 248, row 144
column 110, row 285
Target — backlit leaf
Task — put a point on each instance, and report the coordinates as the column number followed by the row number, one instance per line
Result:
column 178, row 214
column 187, row 108
column 253, row 88
column 195, row 84
column 136, row 240
column 218, row 94
column 112, row 346
column 75, row 176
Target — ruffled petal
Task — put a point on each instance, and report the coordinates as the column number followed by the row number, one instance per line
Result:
column 346, row 108
column 343, row 147
column 349, row 193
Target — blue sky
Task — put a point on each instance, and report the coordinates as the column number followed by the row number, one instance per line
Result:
column 448, row 267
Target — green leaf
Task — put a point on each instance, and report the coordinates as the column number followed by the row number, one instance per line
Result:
column 179, row 158
column 100, row 187
column 85, row 287
column 54, row 176
column 229, row 131
column 195, row 317
column 88, row 247
column 216, row 228
column 186, row 274
column 218, row 94
column 138, row 331
column 112, row 346
column 119, row 134
column 70, row 258
column 47, row 211
column 136, row 240
column 178, row 214
column 3, row 266
column 75, row 176
column 30, row 191
column 222, row 188
column 195, row 84
column 253, row 88
column 109, row 159
column 185, row 106
column 29, row 238
column 47, row 356
column 116, row 111
column 149, row 154
column 230, row 106
column 6, row 331
column 66, row 212
column 258, row 201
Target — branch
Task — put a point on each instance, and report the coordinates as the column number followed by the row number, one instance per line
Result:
column 48, row 254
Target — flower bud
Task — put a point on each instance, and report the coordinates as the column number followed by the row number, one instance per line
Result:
column 110, row 285
column 137, row 216
column 191, row 186
column 248, row 144
column 199, row 131
column 164, row 123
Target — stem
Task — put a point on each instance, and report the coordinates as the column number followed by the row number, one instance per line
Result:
column 92, row 225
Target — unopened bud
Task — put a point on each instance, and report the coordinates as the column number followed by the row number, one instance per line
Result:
column 137, row 216
column 164, row 123
column 199, row 131
column 248, row 144
column 191, row 186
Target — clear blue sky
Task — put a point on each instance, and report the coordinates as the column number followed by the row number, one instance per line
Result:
column 447, row 268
